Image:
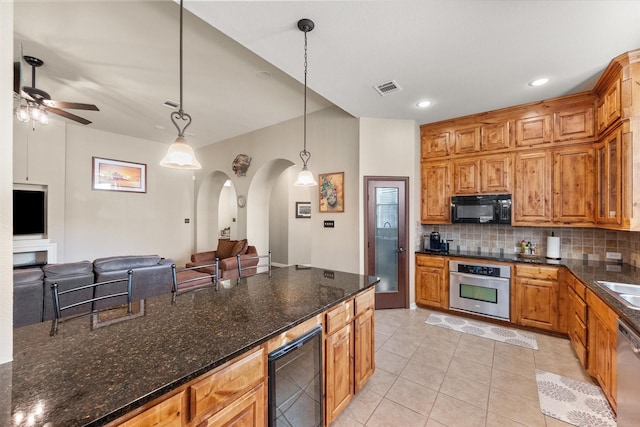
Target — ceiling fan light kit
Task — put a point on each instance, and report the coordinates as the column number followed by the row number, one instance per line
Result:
column 36, row 104
column 305, row 177
column 180, row 155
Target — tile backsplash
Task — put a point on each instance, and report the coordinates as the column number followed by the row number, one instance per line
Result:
column 575, row 243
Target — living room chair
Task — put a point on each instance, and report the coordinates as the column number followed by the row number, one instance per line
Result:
column 191, row 278
column 86, row 297
column 246, row 269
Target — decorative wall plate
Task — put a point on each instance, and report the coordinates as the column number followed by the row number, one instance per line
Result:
column 242, row 201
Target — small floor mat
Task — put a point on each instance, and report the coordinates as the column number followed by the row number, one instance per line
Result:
column 574, row 402
column 482, row 329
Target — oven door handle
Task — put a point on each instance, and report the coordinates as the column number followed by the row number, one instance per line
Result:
column 477, row 276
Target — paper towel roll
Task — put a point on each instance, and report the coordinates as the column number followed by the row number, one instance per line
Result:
column 553, row 247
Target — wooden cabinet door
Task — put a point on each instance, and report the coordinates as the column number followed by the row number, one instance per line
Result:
column 435, row 144
column 467, row 140
column 573, row 186
column 573, row 124
column 495, row 174
column 609, row 106
column 609, row 179
column 537, row 303
column 364, row 348
column 602, row 339
column 466, row 176
column 339, row 371
column 431, row 287
column 247, row 411
column 495, row 136
column 167, row 413
column 532, row 199
column 436, row 193
column 533, row 130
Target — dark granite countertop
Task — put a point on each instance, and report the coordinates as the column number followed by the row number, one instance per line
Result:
column 589, row 272
column 88, row 376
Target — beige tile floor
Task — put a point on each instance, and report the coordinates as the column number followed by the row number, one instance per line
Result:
column 431, row 376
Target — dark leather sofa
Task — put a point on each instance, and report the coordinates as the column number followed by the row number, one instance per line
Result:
column 33, row 296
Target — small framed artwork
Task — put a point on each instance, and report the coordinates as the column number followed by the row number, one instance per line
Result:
column 331, row 186
column 303, row 209
column 117, row 175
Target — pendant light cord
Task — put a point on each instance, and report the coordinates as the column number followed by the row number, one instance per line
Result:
column 304, row 154
column 180, row 114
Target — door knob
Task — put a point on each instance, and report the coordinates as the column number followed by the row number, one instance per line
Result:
column 400, row 250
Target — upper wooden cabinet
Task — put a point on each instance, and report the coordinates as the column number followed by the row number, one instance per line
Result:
column 573, row 124
column 482, row 175
column 495, row 136
column 435, row 144
column 533, row 130
column 573, row 185
column 609, row 106
column 532, row 195
column 467, row 140
column 436, row 194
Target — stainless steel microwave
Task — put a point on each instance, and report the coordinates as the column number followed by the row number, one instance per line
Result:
column 484, row 209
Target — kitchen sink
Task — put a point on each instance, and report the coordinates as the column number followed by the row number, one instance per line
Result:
column 621, row 288
column 628, row 294
column 631, row 299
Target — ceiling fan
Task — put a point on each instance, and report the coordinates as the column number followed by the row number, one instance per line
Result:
column 38, row 99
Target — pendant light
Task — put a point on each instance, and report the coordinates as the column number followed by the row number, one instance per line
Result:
column 305, row 177
column 180, row 154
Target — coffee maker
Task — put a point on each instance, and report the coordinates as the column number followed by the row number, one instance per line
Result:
column 434, row 243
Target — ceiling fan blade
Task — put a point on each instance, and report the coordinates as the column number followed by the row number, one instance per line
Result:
column 72, row 105
column 16, row 78
column 68, row 115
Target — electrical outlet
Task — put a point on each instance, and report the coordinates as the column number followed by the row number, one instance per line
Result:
column 614, row 255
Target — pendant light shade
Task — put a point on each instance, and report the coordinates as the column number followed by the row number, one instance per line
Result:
column 180, row 154
column 305, row 177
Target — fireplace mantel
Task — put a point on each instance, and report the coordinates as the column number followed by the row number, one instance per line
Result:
column 34, row 251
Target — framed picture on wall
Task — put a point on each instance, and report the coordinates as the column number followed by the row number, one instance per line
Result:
column 117, row 175
column 331, row 186
column 303, row 209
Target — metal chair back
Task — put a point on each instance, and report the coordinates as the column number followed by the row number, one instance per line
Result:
column 244, row 270
column 194, row 278
column 100, row 291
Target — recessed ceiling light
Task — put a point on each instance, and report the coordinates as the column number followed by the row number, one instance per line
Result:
column 539, row 82
column 159, row 127
column 423, row 104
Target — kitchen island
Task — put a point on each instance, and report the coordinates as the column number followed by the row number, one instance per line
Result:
column 90, row 375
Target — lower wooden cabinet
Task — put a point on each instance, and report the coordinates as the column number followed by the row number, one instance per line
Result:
column 364, row 338
column 236, row 393
column 167, row 413
column 339, row 371
column 577, row 317
column 432, row 281
column 247, row 411
column 602, row 337
column 540, row 298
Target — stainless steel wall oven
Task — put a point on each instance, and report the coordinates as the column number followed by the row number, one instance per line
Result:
column 482, row 289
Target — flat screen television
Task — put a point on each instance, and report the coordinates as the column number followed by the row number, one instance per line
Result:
column 29, row 212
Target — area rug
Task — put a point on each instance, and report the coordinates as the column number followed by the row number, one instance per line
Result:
column 482, row 329
column 574, row 402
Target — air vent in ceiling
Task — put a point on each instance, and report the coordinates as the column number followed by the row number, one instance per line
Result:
column 387, row 88
column 171, row 104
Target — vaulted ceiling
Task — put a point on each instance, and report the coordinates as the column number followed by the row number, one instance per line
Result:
column 243, row 60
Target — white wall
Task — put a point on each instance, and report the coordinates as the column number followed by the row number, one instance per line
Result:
column 391, row 148
column 6, row 185
column 106, row 223
column 332, row 139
